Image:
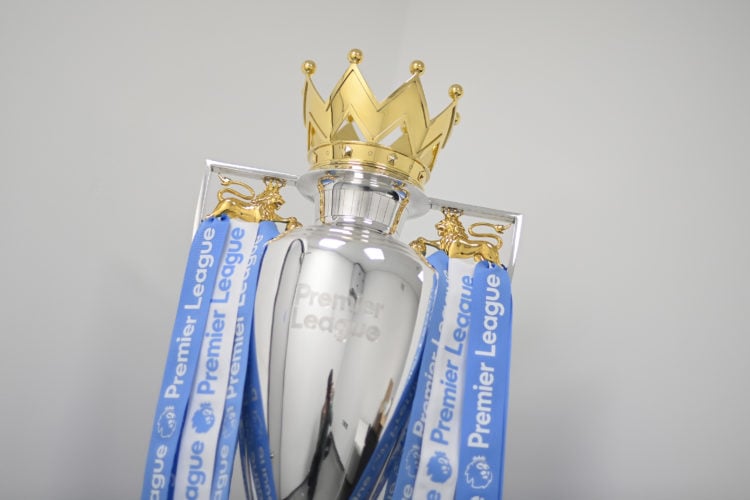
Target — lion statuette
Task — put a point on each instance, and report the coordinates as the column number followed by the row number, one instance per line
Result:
column 251, row 207
column 454, row 239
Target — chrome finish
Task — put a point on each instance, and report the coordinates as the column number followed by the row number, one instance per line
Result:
column 338, row 314
column 367, row 199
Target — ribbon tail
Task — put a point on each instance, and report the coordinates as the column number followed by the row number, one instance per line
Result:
column 192, row 315
column 485, row 407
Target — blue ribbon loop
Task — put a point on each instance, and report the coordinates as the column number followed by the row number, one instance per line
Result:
column 244, row 387
column 485, row 407
column 179, row 372
column 412, row 447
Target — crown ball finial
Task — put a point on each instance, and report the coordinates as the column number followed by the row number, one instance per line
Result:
column 355, row 56
column 416, row 67
column 308, row 67
column 455, row 91
column 411, row 158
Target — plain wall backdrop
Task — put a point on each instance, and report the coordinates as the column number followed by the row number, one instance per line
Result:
column 621, row 129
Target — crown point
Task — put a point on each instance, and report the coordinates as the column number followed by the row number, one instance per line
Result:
column 456, row 91
column 355, row 56
column 353, row 107
column 308, row 67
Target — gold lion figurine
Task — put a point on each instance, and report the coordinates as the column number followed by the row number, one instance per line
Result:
column 251, row 207
column 454, row 239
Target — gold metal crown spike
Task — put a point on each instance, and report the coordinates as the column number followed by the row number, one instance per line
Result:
column 347, row 130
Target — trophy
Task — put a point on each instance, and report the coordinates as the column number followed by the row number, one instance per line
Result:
column 339, row 346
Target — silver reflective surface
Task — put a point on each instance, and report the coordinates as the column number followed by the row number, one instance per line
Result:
column 339, row 310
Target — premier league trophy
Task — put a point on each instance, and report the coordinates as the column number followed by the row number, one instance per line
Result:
column 345, row 362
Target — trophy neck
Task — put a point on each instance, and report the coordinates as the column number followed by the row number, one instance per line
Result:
column 365, row 200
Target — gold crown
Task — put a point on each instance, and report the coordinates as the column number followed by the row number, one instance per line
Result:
column 346, row 131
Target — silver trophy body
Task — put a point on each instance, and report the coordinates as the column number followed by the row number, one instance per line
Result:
column 339, row 311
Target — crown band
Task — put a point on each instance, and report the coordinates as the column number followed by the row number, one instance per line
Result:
column 352, row 155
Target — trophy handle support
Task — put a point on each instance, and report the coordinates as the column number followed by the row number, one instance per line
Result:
column 418, row 205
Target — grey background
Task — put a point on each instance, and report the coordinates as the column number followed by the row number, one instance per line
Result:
column 620, row 128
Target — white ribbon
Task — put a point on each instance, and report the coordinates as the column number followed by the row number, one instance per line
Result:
column 438, row 463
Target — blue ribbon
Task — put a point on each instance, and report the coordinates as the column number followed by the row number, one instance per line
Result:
column 390, row 474
column 243, row 352
column 370, row 482
column 192, row 312
column 412, row 447
column 485, row 408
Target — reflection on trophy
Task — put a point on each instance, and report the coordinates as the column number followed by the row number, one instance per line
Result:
column 341, row 303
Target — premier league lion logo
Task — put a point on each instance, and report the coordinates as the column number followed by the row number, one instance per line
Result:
column 439, row 467
column 412, row 461
column 230, row 423
column 478, row 473
column 203, row 418
column 167, row 422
